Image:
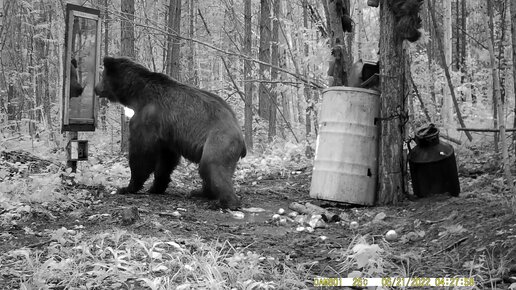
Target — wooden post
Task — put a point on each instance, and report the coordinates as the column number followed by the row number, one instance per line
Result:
column 73, row 135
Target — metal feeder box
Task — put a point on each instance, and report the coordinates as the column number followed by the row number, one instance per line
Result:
column 77, row 150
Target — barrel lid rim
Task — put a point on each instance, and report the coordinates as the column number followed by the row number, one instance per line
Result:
column 344, row 88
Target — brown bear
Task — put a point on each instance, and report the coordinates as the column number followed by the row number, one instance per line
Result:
column 171, row 120
column 75, row 87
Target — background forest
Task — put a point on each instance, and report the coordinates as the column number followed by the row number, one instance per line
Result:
column 287, row 57
column 269, row 60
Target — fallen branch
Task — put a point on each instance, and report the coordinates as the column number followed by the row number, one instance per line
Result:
column 485, row 130
column 12, row 138
column 451, row 246
column 493, row 281
column 40, row 243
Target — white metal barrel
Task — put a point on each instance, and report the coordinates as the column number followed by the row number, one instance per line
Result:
column 346, row 158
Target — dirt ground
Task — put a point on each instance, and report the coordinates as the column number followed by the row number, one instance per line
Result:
column 449, row 235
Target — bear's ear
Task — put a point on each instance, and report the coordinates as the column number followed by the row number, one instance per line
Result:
column 109, row 63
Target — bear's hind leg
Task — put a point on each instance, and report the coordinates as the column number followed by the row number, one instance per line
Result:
column 166, row 163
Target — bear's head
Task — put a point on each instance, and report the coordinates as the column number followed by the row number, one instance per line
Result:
column 124, row 81
column 110, row 84
column 75, row 87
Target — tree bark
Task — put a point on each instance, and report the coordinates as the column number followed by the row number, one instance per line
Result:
column 502, row 65
column 463, row 76
column 513, row 33
column 192, row 72
column 47, row 101
column 463, row 40
column 173, row 43
column 447, row 71
column 497, row 97
column 248, row 86
column 457, row 36
column 126, row 49
column 306, row 69
column 285, row 38
column 446, row 110
column 274, row 72
column 358, row 29
column 265, row 56
column 342, row 57
column 104, row 101
column 328, row 20
column 430, row 53
column 335, row 27
column 392, row 108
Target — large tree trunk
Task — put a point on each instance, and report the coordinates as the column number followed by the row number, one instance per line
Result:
column 192, row 72
column 359, row 27
column 457, row 35
column 430, row 52
column 335, row 23
column 513, row 32
column 494, row 99
column 264, row 56
column 497, row 97
column 248, row 86
column 126, row 49
column 47, row 101
column 173, row 44
column 306, row 68
column 463, row 32
column 127, row 29
column 342, row 62
column 40, row 55
column 446, row 111
column 446, row 69
column 274, row 72
column 285, row 38
column 502, row 64
column 393, row 103
column 463, row 40
column 104, row 101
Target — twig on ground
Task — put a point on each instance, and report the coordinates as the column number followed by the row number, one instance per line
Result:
column 40, row 243
column 451, row 246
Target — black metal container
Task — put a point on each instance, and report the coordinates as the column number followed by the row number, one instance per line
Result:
column 433, row 167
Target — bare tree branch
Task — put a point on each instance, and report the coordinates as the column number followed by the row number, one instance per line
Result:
column 156, row 27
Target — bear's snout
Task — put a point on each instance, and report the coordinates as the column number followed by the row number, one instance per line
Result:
column 98, row 90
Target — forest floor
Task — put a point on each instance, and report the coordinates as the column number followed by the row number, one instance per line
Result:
column 90, row 238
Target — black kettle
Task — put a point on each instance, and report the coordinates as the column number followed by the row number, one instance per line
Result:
column 433, row 167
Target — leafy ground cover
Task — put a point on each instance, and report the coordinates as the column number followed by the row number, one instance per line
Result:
column 73, row 232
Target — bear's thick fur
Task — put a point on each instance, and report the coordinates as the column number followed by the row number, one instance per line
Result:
column 171, row 120
column 75, row 87
column 407, row 17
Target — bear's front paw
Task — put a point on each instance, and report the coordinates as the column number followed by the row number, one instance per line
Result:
column 125, row 190
column 155, row 190
column 232, row 203
column 202, row 193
